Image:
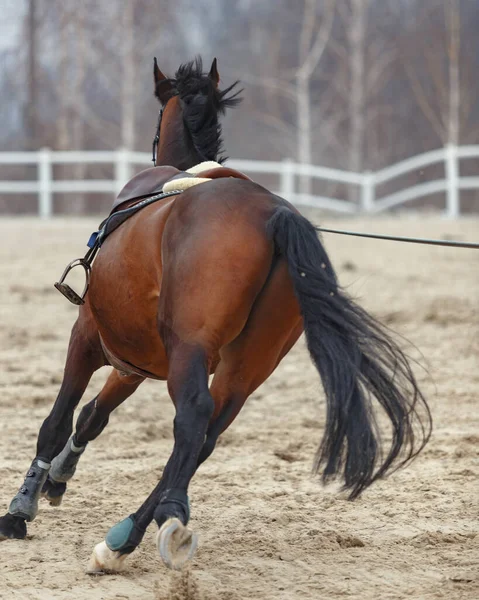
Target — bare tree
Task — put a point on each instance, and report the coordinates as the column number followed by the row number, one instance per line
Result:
column 312, row 44
column 70, row 92
column 32, row 83
column 65, row 69
column 357, row 95
column 291, row 84
column 432, row 65
column 128, row 76
column 453, row 20
column 364, row 64
column 78, row 95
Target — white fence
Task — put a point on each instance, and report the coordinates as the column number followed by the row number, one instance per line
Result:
column 287, row 171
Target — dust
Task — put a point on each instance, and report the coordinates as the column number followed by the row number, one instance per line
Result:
column 184, row 587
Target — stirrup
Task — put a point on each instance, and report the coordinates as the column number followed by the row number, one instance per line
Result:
column 66, row 290
column 85, row 262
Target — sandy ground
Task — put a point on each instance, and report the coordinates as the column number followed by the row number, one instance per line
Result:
column 267, row 529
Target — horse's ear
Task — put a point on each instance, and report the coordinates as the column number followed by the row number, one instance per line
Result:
column 162, row 84
column 213, row 74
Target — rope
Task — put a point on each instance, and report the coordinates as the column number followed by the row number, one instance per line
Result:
column 394, row 238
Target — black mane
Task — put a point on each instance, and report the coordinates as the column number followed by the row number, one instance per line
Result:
column 202, row 103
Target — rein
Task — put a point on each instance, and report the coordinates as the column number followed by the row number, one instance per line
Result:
column 396, row 238
column 156, row 139
column 117, row 218
column 376, row 236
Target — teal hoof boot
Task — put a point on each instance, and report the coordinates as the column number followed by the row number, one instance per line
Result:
column 109, row 556
column 118, row 536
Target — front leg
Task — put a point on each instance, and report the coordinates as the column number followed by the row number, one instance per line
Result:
column 83, row 359
column 92, row 420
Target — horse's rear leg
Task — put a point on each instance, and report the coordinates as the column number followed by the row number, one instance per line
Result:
column 236, row 379
column 91, row 421
column 168, row 503
column 273, row 327
column 83, row 359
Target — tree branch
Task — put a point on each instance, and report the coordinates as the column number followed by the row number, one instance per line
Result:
column 311, row 62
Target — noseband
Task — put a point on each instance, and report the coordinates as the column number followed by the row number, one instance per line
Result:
column 156, row 140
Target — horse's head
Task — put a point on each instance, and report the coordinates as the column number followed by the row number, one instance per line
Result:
column 189, row 131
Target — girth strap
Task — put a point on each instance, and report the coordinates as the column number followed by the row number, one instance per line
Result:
column 112, row 222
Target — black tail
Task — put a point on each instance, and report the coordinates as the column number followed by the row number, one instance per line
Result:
column 357, row 361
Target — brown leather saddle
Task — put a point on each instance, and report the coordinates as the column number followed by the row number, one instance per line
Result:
column 151, row 181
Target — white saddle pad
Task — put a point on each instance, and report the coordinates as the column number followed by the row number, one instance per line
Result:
column 187, row 182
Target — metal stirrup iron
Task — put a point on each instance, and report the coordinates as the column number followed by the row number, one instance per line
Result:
column 84, row 262
column 97, row 238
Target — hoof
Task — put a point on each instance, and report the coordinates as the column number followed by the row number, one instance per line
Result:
column 103, row 560
column 12, row 528
column 53, row 491
column 176, row 543
column 52, row 500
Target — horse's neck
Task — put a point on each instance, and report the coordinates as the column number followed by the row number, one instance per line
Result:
column 175, row 149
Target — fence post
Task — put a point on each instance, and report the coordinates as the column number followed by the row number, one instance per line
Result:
column 452, row 174
column 287, row 179
column 44, row 174
column 122, row 169
column 367, row 192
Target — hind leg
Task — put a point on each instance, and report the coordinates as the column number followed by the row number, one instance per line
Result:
column 83, row 359
column 92, row 420
column 233, row 384
column 273, row 328
column 194, row 326
column 168, row 503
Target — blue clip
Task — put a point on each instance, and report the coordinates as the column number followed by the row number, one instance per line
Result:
column 92, row 240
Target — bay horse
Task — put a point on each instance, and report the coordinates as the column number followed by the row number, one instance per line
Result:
column 219, row 280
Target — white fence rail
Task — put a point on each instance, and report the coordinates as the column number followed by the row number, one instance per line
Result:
column 288, row 172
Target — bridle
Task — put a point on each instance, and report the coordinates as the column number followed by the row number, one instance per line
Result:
column 156, row 139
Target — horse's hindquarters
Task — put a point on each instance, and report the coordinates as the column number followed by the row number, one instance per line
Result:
column 186, row 272
column 217, row 258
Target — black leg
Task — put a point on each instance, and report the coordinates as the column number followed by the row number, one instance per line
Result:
column 168, row 503
column 84, row 357
column 92, row 420
column 230, row 409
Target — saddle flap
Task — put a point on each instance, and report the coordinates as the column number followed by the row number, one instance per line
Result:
column 149, row 181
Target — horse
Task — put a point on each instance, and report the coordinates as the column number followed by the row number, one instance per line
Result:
column 221, row 279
